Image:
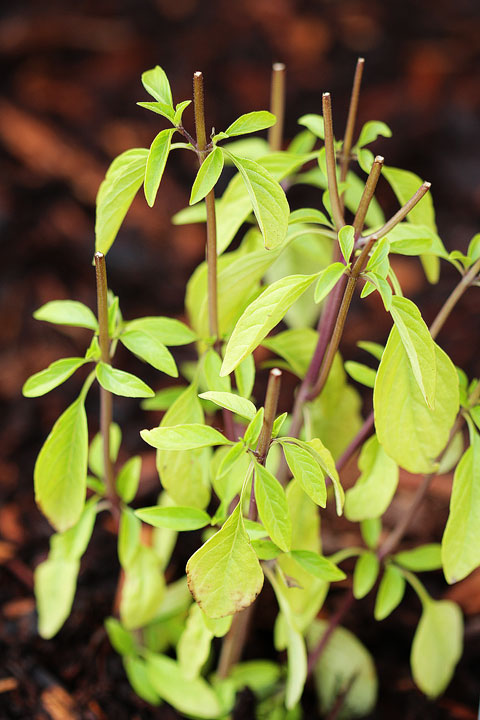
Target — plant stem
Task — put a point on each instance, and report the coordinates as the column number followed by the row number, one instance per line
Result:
column 106, row 409
column 233, row 644
column 337, row 212
column 199, row 110
column 351, row 118
column 277, row 106
column 335, row 621
column 402, row 213
column 367, row 195
column 454, row 297
column 341, row 317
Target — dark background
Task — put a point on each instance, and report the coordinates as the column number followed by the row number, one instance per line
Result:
column 70, row 77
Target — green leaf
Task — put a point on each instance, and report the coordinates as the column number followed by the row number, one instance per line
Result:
column 346, row 240
column 179, row 110
column 71, row 544
column 373, row 348
column 115, row 195
column 375, row 488
column 365, row 574
column 194, row 644
column 324, row 458
column 168, row 331
column 192, row 697
column 136, row 670
column 365, row 159
column 278, row 424
column 128, row 478
column 156, row 83
column 211, row 364
column 55, row 581
column 254, row 428
column 296, row 346
column 129, row 532
column 379, row 255
column 61, row 469
column 148, row 347
column 120, row 382
column 370, row 132
column 272, row 507
column 261, row 316
column 390, row 592
column 207, row 176
column 67, row 312
column 327, row 279
column 408, row 238
column 224, row 575
column 266, row 549
column 121, row 640
column 251, row 122
column 156, row 161
column 361, row 373
column 345, row 670
column 371, row 529
column 309, row 215
column 252, row 148
column 473, row 251
column 314, row 123
column 437, row 646
column 306, row 470
column 185, row 475
column 420, row 559
column 245, row 376
column 258, row 675
column 95, row 453
column 268, row 201
column 163, row 399
column 461, row 539
column 409, row 431
column 318, row 565
column 184, row 437
column 377, row 282
column 418, row 344
column 159, row 108
column 232, row 402
column 56, row 373
column 175, row 517
column 143, row 589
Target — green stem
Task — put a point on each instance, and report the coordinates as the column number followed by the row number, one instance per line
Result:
column 199, row 109
column 351, row 118
column 106, row 409
column 419, row 588
column 454, row 297
column 277, row 106
column 331, row 164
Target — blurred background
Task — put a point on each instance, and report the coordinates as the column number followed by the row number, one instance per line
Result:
column 70, row 78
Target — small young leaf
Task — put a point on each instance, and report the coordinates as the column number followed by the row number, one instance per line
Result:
column 390, row 592
column 461, row 539
column 121, row 640
column 148, row 347
column 207, row 176
column 307, row 471
column 120, row 382
column 365, row 574
column 128, row 537
column 53, row 376
column 268, row 200
column 309, row 215
column 184, row 437
column 418, row 344
column 115, row 195
column 245, row 376
column 159, row 108
column 163, row 399
column 361, row 373
column 194, row 644
column 174, row 517
column 224, row 575
column 136, row 671
column 420, row 559
column 156, row 83
column 168, row 331
column 328, row 278
column 437, row 646
column 143, row 589
column 128, row 478
column 251, row 122
column 278, row 424
column 296, row 346
column 61, row 468
column 324, row 458
column 211, row 365
column 156, row 161
column 179, row 110
column 314, row 123
column 379, row 255
column 232, row 402
column 261, row 316
column 371, row 529
column 254, row 428
column 377, row 282
column 266, row 549
column 373, row 348
column 346, row 240
column 55, row 581
column 473, row 251
column 67, row 312
column 95, row 452
column 318, row 565
column 370, row 132
column 272, row 507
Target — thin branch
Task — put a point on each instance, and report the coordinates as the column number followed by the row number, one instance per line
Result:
column 277, row 106
column 352, row 116
column 106, row 410
column 335, row 621
column 331, row 163
column 367, row 195
column 402, row 213
column 454, row 297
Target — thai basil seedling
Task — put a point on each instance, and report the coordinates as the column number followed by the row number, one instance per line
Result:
column 254, row 481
